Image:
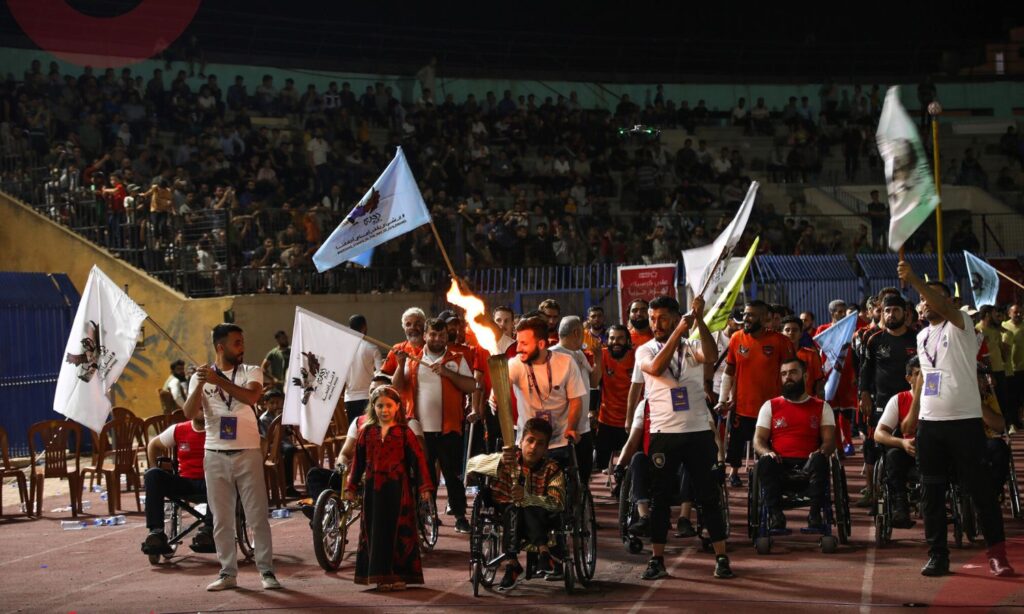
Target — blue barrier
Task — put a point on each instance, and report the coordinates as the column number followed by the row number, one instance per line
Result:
column 36, row 313
column 808, row 283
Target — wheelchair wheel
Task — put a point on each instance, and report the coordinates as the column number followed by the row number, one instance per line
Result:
column 763, row 545
column 953, row 506
column 753, row 505
column 635, row 545
column 491, row 546
column 828, row 544
column 723, row 503
column 585, row 538
column 568, row 567
column 626, row 510
column 841, row 501
column 426, row 516
column 244, row 533
column 968, row 517
column 475, row 575
column 328, row 538
column 1014, row 490
column 883, row 507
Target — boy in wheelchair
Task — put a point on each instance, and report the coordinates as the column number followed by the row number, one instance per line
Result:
column 900, row 454
column 794, row 439
column 529, row 491
column 186, row 441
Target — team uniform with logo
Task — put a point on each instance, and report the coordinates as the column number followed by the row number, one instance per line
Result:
column 188, row 445
column 795, row 428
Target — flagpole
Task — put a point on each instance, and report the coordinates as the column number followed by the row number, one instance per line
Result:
column 935, row 109
column 161, row 330
column 385, row 346
column 1009, row 279
column 444, row 252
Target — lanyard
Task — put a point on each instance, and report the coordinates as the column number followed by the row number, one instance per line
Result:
column 533, row 381
column 932, row 356
column 226, row 398
column 678, row 356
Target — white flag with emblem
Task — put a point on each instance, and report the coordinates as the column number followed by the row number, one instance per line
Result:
column 322, row 351
column 101, row 343
column 701, row 271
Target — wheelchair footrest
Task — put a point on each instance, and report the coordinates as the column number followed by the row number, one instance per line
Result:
column 203, row 548
column 777, row 532
column 815, row 531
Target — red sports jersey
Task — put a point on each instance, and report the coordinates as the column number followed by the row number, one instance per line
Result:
column 190, row 447
column 796, row 427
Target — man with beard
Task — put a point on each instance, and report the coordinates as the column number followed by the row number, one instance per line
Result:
column 412, row 324
column 552, row 313
column 755, row 355
column 897, row 446
column 792, row 328
column 275, row 365
column 595, row 337
column 476, row 356
column 176, row 383
column 435, row 388
column 795, row 431
column 546, row 385
column 618, row 361
column 950, row 428
column 991, row 331
column 639, row 327
column 570, row 341
column 681, row 433
column 233, row 463
column 883, row 374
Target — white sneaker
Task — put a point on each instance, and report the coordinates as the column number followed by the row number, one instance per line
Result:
column 222, row 583
column 1013, row 430
column 270, row 582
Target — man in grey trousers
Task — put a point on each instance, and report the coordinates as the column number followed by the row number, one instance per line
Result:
column 225, row 393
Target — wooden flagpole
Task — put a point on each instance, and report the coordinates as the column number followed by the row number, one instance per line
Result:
column 1009, row 279
column 444, row 252
column 163, row 332
column 935, row 109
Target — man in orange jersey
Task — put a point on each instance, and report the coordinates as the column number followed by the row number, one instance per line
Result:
column 792, row 328
column 753, row 361
column 615, row 382
column 639, row 325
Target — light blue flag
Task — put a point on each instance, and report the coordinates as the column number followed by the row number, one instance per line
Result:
column 392, row 207
column 834, row 342
column 364, row 259
column 984, row 280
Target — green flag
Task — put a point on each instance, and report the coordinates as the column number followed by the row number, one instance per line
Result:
column 718, row 316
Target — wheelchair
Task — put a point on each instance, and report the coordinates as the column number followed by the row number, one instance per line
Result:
column 835, row 512
column 628, row 514
column 1012, row 492
column 490, row 544
column 175, row 509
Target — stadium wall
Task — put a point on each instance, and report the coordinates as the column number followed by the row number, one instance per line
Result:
column 994, row 99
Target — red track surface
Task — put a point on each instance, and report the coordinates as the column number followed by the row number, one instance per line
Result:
column 100, row 569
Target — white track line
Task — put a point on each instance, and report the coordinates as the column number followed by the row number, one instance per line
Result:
column 869, row 573
column 84, row 541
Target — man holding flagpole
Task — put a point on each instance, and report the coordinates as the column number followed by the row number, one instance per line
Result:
column 950, row 426
column 224, row 393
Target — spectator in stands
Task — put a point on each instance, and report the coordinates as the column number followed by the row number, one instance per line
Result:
column 971, row 172
column 963, row 238
column 275, row 364
column 877, row 213
column 177, row 383
column 741, row 115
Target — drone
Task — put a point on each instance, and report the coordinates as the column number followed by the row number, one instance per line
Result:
column 640, row 130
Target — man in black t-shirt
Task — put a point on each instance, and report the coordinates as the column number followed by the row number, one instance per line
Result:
column 883, row 369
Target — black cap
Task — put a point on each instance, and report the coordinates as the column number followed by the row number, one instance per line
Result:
column 737, row 314
column 448, row 315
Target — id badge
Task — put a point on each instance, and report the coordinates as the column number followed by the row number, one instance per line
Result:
column 229, row 428
column 932, row 383
column 680, row 399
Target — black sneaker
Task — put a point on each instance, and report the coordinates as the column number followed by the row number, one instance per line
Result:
column 936, row 566
column 641, row 527
column 722, row 569
column 543, row 565
column 901, row 519
column 814, row 520
column 156, row 543
column 512, row 573
column 557, row 573
column 684, row 528
column 462, row 525
column 777, row 520
column 655, row 569
column 735, row 481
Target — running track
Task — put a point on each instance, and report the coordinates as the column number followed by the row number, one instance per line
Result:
column 100, row 569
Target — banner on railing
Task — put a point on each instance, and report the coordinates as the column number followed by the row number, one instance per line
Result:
column 644, row 281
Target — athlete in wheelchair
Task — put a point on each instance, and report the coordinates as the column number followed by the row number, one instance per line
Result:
column 530, row 502
column 176, row 485
column 794, row 440
column 897, row 463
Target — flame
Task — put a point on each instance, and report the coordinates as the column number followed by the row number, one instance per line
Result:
column 476, row 317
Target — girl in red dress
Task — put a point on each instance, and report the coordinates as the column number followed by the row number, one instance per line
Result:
column 387, row 457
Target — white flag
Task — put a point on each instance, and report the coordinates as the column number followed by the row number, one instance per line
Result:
column 700, row 261
column 322, row 351
column 101, row 343
column 911, row 187
column 392, row 207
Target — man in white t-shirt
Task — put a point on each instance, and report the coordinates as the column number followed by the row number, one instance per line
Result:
column 570, row 343
column 681, row 433
column 950, row 427
column 439, row 382
column 224, row 393
column 176, row 383
column 367, row 361
column 505, row 318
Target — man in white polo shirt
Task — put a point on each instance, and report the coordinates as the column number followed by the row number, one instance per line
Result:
column 224, row 393
column 570, row 342
column 950, row 427
column 367, row 361
column 681, row 432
